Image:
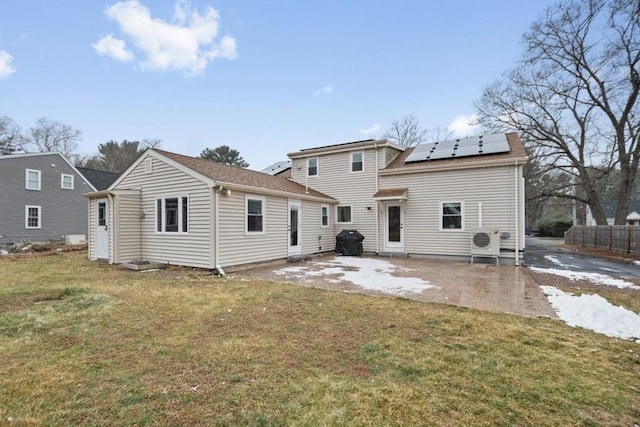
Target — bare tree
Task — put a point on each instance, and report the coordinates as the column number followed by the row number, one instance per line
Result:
column 50, row 135
column 9, row 135
column 573, row 97
column 225, row 155
column 406, row 133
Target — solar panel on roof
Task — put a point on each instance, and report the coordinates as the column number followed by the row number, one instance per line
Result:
column 463, row 147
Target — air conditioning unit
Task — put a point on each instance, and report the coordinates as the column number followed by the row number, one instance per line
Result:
column 485, row 242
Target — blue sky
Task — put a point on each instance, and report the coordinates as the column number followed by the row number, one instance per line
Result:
column 264, row 77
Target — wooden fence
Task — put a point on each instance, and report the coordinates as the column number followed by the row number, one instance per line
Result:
column 621, row 238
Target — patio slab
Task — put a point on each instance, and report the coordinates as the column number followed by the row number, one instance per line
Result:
column 482, row 286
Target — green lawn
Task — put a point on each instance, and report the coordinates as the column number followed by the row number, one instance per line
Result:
column 84, row 343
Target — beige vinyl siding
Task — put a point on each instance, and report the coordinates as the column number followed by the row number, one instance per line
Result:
column 354, row 189
column 311, row 229
column 190, row 249
column 236, row 246
column 493, row 187
column 128, row 234
column 388, row 154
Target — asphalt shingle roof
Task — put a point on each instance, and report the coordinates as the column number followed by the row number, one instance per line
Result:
column 240, row 176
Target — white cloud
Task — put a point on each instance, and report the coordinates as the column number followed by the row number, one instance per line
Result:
column 187, row 43
column 463, row 126
column 114, row 48
column 327, row 90
column 372, row 130
column 6, row 69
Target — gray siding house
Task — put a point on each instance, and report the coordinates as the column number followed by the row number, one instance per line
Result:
column 457, row 198
column 41, row 199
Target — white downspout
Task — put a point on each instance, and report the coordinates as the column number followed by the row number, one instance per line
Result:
column 216, row 257
column 375, row 146
column 516, row 182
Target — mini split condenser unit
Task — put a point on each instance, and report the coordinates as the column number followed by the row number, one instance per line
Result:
column 485, row 242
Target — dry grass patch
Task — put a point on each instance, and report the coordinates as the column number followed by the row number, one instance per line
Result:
column 87, row 344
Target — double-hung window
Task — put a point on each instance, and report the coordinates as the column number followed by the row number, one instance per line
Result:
column 32, row 217
column 357, row 162
column 32, row 179
column 312, row 167
column 324, row 216
column 255, row 214
column 343, row 214
column 451, row 215
column 172, row 214
column 66, row 181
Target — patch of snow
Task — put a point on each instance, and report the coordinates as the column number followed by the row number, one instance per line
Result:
column 596, row 278
column 594, row 313
column 3, row 252
column 636, row 262
column 366, row 273
column 556, row 261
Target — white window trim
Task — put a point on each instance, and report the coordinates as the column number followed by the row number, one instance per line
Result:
column 26, row 217
column 164, row 224
column 440, row 216
column 317, row 167
column 62, row 181
column 351, row 162
column 26, row 184
column 262, row 199
column 350, row 209
column 322, row 207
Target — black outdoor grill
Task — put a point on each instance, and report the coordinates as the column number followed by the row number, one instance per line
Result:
column 349, row 242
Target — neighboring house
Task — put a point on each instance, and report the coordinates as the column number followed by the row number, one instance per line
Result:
column 101, row 180
column 610, row 207
column 282, row 169
column 41, row 199
column 426, row 200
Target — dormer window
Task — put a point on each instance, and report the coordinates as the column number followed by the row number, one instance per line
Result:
column 312, row 167
column 357, row 162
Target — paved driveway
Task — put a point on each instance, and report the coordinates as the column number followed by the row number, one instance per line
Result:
column 550, row 253
column 482, row 286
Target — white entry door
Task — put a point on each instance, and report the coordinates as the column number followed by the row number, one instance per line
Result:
column 295, row 228
column 394, row 227
column 102, row 228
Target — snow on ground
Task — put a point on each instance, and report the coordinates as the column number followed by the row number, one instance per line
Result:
column 636, row 262
column 595, row 313
column 596, row 278
column 556, row 261
column 367, row 273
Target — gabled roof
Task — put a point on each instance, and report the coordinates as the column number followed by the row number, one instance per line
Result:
column 516, row 152
column 100, row 179
column 52, row 154
column 610, row 206
column 229, row 175
column 346, row 146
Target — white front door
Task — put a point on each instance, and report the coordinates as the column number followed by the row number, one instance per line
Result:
column 394, row 227
column 295, row 228
column 102, row 228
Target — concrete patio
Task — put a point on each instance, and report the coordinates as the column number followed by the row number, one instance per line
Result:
column 482, row 286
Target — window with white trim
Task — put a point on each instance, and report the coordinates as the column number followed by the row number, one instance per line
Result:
column 324, row 216
column 254, row 208
column 172, row 214
column 312, row 167
column 32, row 217
column 32, row 179
column 451, row 215
column 66, row 181
column 357, row 162
column 343, row 214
